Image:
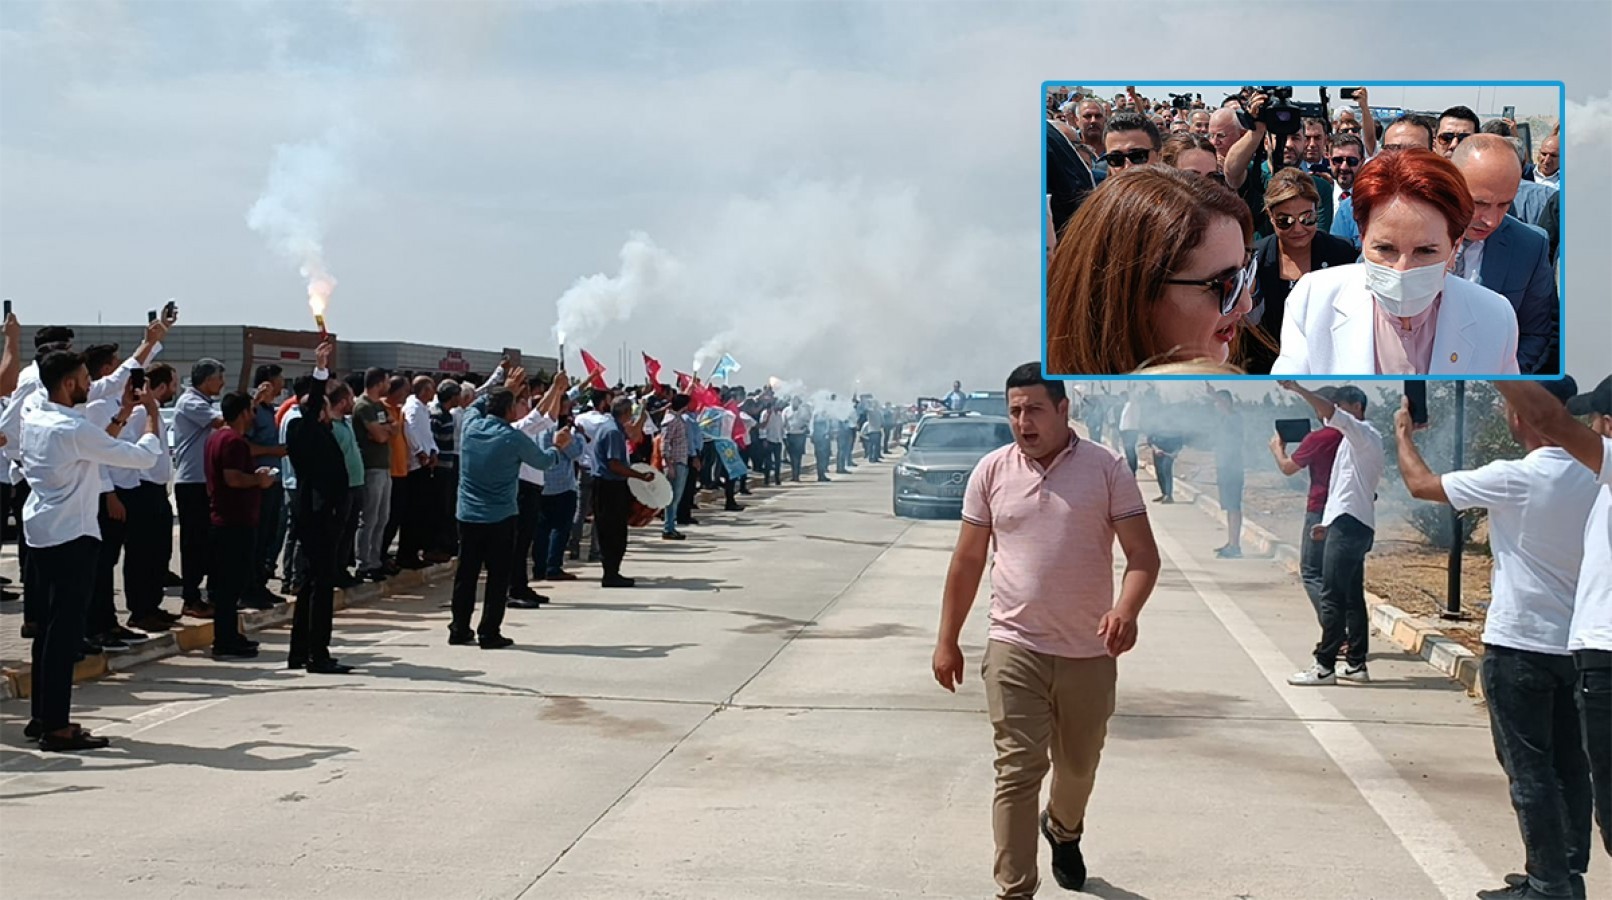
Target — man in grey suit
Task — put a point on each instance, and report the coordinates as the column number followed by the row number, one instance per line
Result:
column 1505, row 255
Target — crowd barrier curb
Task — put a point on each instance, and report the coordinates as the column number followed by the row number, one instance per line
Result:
column 18, row 681
column 1401, row 628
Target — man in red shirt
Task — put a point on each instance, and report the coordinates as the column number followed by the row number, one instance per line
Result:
column 1314, row 453
column 234, row 486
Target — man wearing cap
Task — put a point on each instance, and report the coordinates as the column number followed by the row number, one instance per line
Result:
column 1537, row 507
column 195, row 419
column 1590, row 634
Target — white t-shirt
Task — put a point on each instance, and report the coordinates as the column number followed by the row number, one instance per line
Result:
column 1356, row 471
column 590, row 423
column 1592, row 608
column 1538, row 506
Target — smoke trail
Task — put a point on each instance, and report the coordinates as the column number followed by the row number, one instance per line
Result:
column 292, row 210
column 712, row 350
column 596, row 301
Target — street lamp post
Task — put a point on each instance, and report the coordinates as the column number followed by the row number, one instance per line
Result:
column 1452, row 601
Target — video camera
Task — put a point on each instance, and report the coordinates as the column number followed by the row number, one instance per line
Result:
column 1280, row 114
column 1180, row 101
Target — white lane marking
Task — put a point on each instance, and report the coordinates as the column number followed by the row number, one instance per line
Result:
column 1444, row 857
column 135, row 724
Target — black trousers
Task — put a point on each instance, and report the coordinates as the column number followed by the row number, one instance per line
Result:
column 103, row 613
column 490, row 546
column 396, row 514
column 195, row 527
column 418, row 514
column 1343, row 592
column 347, row 545
column 1595, row 720
column 148, row 544
column 320, row 522
column 529, row 501
column 234, row 572
column 62, row 578
column 445, row 529
column 797, row 452
column 612, row 505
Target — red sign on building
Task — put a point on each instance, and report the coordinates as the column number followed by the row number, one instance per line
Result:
column 454, row 362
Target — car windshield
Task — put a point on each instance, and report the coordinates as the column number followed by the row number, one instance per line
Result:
column 963, row 435
column 986, row 406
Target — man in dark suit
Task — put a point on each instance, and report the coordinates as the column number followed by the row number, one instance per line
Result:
column 1505, row 255
column 1068, row 178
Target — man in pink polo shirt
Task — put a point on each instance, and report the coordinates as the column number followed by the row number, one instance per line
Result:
column 1051, row 505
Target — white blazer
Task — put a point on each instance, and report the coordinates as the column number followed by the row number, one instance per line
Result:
column 1330, row 329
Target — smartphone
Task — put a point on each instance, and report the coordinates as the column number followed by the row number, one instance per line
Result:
column 1417, row 392
column 151, row 316
column 8, row 307
column 137, row 378
column 1347, row 93
column 1509, row 112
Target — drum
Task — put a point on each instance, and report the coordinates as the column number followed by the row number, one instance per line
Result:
column 649, row 498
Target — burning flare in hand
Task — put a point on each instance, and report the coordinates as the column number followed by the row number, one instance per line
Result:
column 320, row 286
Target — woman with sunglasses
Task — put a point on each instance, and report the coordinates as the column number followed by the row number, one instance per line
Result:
column 1296, row 249
column 1152, row 272
column 1398, row 312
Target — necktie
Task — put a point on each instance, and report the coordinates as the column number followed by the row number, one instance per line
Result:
column 1460, row 260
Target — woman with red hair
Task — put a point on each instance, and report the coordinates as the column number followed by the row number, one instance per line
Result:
column 1396, row 312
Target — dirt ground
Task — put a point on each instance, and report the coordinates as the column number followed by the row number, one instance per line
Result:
column 1401, row 569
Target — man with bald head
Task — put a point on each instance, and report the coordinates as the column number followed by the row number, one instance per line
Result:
column 1505, row 255
column 417, row 524
column 1237, row 150
column 1090, row 120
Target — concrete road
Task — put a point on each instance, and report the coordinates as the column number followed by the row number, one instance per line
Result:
column 758, row 720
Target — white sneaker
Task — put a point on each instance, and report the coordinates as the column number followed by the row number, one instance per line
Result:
column 1357, row 675
column 1313, row 676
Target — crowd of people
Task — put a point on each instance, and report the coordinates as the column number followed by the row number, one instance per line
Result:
column 330, row 482
column 1185, row 238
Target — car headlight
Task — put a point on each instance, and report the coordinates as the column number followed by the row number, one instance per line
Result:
column 906, row 471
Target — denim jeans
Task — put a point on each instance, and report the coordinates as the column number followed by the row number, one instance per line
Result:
column 677, row 475
column 1595, row 720
column 1164, row 467
column 554, row 532
column 823, row 450
column 797, row 454
column 1343, row 592
column 271, row 529
column 1538, row 741
column 1310, row 552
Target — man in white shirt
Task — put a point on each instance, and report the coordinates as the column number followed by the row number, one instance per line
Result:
column 418, row 524
column 1590, row 635
column 1348, row 528
column 1538, row 507
column 148, row 539
column 62, row 453
column 1130, row 428
column 597, row 416
column 797, row 428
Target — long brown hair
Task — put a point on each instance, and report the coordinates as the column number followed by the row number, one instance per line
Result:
column 1133, row 232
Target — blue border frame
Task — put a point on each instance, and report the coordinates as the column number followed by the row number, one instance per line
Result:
column 1041, row 233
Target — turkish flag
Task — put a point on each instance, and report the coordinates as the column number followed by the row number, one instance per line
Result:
column 596, row 371
column 684, row 379
column 652, row 366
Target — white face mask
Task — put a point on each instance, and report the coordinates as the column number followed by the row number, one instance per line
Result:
column 1408, row 293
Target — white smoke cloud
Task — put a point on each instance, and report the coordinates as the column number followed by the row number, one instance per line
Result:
column 292, row 211
column 711, row 351
column 597, row 301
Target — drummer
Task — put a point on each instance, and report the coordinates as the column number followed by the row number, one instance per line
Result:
column 612, row 501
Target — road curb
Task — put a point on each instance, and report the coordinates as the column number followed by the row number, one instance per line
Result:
column 1401, row 628
column 17, row 681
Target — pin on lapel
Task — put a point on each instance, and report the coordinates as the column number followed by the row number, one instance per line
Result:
column 1454, row 357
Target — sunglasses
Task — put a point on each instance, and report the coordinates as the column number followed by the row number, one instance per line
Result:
column 1231, row 285
column 1453, row 137
column 1117, row 158
column 1403, row 147
column 1284, row 221
column 1350, row 161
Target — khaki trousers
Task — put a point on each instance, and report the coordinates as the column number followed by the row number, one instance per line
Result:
column 1047, row 712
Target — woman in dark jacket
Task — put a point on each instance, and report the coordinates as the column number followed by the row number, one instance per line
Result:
column 1297, row 248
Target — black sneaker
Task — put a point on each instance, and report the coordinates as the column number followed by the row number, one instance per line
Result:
column 1526, row 891
column 1068, row 865
column 1575, row 884
column 235, row 651
column 617, row 581
column 673, row 536
column 495, row 642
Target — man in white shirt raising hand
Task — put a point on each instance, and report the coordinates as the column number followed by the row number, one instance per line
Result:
column 1590, row 635
column 61, row 458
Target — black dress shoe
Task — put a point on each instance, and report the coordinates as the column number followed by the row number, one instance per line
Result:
column 617, row 581
column 327, row 667
column 296, row 662
column 673, row 536
column 1068, row 865
column 522, row 603
column 1575, row 884
column 234, row 651
column 77, row 739
column 734, row 507
column 461, row 638
column 495, row 642
column 33, row 729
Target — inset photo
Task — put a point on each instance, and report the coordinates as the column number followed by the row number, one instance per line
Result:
column 1349, row 230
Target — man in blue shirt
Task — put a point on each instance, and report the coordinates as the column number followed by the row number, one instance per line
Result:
column 559, row 503
column 696, row 459
column 491, row 452
column 269, row 450
column 612, row 501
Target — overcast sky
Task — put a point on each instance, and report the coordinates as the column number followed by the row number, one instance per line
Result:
column 838, row 192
